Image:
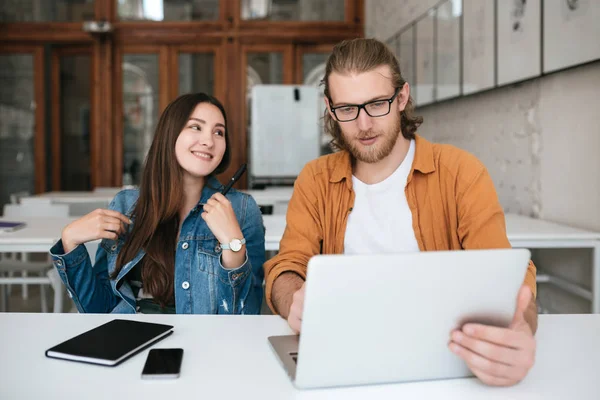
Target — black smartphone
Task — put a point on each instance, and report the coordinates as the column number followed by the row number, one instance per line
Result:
column 163, row 364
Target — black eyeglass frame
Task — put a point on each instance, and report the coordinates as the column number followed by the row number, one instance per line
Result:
column 363, row 107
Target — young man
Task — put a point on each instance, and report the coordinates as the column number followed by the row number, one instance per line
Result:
column 389, row 190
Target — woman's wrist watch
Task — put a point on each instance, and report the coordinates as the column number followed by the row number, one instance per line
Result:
column 235, row 245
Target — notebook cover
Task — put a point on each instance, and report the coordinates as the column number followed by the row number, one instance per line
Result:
column 111, row 343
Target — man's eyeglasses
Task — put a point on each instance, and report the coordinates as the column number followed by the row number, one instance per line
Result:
column 376, row 108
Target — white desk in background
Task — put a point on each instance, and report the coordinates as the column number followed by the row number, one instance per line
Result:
column 273, row 200
column 73, row 197
column 532, row 233
column 228, row 357
column 38, row 235
column 266, row 197
column 271, row 195
column 41, row 233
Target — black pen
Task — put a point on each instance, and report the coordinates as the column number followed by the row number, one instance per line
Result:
column 238, row 174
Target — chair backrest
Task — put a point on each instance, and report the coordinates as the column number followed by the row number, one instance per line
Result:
column 83, row 208
column 36, row 210
column 15, row 198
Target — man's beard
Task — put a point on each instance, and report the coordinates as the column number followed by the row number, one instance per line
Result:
column 379, row 150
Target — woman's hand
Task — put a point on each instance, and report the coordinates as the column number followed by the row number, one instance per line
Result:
column 220, row 218
column 222, row 222
column 99, row 224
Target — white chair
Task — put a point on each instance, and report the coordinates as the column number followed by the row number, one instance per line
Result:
column 16, row 211
column 15, row 198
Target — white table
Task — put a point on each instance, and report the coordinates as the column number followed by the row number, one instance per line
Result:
column 73, row 197
column 228, row 357
column 41, row 233
column 37, row 236
column 532, row 233
column 266, row 197
column 271, row 195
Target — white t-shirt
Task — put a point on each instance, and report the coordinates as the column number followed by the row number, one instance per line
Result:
column 381, row 221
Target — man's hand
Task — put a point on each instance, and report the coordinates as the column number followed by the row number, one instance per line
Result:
column 296, row 310
column 498, row 356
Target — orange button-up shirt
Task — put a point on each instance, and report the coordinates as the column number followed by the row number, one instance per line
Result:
column 451, row 196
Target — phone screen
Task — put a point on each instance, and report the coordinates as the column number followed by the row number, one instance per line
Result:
column 163, row 363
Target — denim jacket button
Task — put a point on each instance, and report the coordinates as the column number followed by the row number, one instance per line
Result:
column 59, row 263
column 185, row 245
column 217, row 248
column 185, row 285
column 114, row 247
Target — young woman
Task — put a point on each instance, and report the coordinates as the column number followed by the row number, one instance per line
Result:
column 176, row 245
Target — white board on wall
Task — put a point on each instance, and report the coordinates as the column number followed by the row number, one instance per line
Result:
column 285, row 131
column 519, row 40
column 571, row 33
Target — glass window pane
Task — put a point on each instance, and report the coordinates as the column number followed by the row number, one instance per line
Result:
column 17, row 125
column 168, row 10
column 448, row 49
column 196, row 73
column 313, row 71
column 46, row 10
column 75, row 122
column 293, row 10
column 407, row 57
column 140, row 112
column 425, row 71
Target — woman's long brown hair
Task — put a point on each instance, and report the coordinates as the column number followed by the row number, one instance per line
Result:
column 156, row 213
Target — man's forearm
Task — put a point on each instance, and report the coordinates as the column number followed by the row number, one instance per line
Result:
column 283, row 291
column 531, row 315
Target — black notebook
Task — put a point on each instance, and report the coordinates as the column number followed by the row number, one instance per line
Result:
column 111, row 343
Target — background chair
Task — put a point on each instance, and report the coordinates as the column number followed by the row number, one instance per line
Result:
column 10, row 265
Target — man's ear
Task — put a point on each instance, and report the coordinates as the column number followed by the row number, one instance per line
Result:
column 403, row 96
column 328, row 106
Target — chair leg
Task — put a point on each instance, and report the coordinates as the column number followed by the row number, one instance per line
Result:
column 9, row 287
column 58, row 289
column 58, row 298
column 24, row 287
column 3, row 297
column 43, row 298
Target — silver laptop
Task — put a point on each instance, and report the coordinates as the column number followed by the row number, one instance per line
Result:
column 371, row 319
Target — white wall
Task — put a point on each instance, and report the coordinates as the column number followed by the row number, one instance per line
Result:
column 540, row 141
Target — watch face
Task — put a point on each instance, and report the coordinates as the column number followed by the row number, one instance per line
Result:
column 236, row 245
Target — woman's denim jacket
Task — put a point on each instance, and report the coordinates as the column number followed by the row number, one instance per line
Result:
column 202, row 284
